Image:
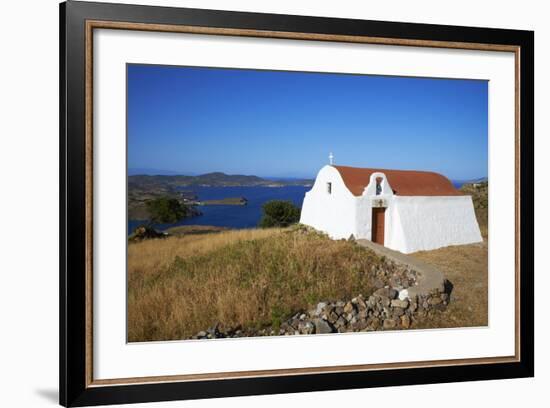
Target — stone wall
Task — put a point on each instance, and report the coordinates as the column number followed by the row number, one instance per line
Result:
column 386, row 308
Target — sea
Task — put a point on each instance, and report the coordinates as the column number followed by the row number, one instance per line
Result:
column 233, row 216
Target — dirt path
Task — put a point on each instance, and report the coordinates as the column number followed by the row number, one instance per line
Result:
column 466, row 267
column 430, row 278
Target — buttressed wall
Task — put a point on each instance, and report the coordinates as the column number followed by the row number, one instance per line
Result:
column 425, row 223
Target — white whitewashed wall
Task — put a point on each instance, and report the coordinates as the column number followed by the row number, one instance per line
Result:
column 411, row 223
column 333, row 213
column 425, row 223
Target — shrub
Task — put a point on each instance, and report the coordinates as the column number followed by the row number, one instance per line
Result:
column 165, row 210
column 279, row 213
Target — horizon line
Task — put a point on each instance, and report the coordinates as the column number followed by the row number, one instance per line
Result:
column 159, row 172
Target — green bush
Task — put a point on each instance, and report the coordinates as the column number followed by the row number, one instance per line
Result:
column 279, row 213
column 165, row 210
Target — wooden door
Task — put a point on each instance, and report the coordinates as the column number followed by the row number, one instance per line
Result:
column 378, row 217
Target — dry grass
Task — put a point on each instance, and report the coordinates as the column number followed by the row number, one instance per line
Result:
column 152, row 256
column 181, row 285
column 194, row 229
column 466, row 267
column 480, row 199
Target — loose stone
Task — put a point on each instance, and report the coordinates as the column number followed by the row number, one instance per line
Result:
column 400, row 303
column 389, row 324
column 322, row 326
column 405, row 321
column 349, row 307
column 386, row 292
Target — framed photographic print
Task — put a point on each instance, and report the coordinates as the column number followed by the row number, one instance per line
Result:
column 256, row 203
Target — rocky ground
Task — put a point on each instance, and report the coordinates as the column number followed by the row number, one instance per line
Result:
column 385, row 309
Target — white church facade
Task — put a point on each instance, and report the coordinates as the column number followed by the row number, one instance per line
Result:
column 407, row 211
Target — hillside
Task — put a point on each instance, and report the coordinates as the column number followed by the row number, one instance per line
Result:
column 480, row 197
column 271, row 281
column 181, row 285
column 216, row 179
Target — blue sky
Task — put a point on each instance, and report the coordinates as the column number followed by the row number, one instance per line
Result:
column 284, row 124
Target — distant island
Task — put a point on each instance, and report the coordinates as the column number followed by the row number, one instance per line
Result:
column 216, row 179
column 144, row 187
column 225, row 201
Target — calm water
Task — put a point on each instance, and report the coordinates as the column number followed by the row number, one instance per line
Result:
column 234, row 216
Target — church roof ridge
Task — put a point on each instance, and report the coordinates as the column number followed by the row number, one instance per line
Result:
column 403, row 182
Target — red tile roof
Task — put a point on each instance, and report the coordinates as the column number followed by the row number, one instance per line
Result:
column 403, row 182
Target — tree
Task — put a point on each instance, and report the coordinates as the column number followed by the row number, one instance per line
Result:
column 279, row 213
column 165, row 210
